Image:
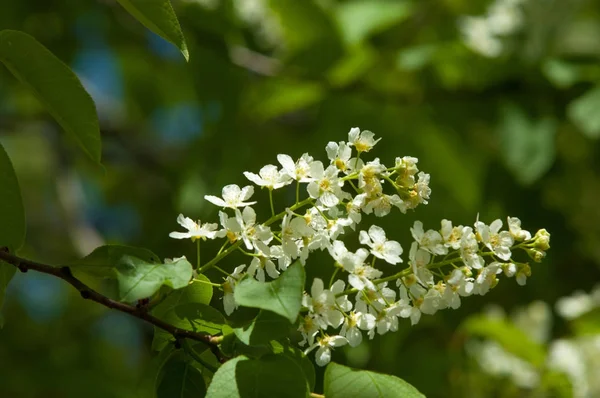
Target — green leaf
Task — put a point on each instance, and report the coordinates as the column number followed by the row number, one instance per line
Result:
column 102, row 262
column 283, row 296
column 265, row 327
column 140, row 279
column 180, row 379
column 55, row 85
column 276, row 97
column 511, row 338
column 195, row 317
column 527, row 145
column 587, row 323
column 360, row 19
column 12, row 219
column 583, row 112
column 159, row 17
column 344, row 382
column 269, row 376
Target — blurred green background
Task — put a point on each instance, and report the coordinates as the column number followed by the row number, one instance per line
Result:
column 498, row 100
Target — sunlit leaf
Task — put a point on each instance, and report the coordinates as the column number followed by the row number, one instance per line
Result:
column 344, row 382
column 269, row 376
column 511, row 338
column 283, row 296
column 265, row 327
column 55, row 85
column 159, row 17
column 583, row 112
column 359, row 19
column 12, row 219
column 140, row 279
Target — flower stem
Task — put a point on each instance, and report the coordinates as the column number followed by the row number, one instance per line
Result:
column 271, row 201
column 297, row 192
column 198, row 252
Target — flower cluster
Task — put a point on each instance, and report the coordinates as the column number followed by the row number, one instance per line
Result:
column 442, row 267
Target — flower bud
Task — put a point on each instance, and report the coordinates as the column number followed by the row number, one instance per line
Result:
column 542, row 240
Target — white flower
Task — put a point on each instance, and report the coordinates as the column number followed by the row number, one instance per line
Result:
column 363, row 142
column 326, row 186
column 406, row 309
column 422, row 189
column 514, row 226
column 487, row 278
column 573, row 306
column 233, row 196
column 362, row 274
column 321, row 304
column 340, row 157
column 270, row 177
column 430, row 240
column 461, row 282
column 308, row 328
column 254, row 236
column 292, row 230
column 355, row 321
column 229, row 304
column 387, row 250
column 283, row 260
column 418, row 258
column 196, row 230
column 258, row 267
column 299, row 170
column 326, row 344
column 469, row 249
column 451, row 234
column 497, row 241
column 432, row 302
column 382, row 205
column 347, row 259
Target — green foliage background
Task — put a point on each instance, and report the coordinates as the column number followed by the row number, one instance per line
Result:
column 513, row 135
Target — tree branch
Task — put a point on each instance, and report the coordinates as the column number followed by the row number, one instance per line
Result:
column 88, row 293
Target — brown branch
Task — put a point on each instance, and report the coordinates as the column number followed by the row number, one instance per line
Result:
column 88, row 293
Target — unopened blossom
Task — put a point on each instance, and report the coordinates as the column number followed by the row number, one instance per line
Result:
column 542, row 240
column 431, row 240
column 233, row 197
column 362, row 141
column 406, row 167
column 298, row 170
column 523, row 273
column 381, row 247
column 259, row 265
column 196, row 230
column 229, row 303
column 497, row 241
column 269, row 177
column 325, row 344
column 326, row 186
column 514, row 227
column 369, row 178
column 469, row 249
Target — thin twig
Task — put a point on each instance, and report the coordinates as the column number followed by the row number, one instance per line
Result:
column 88, row 293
